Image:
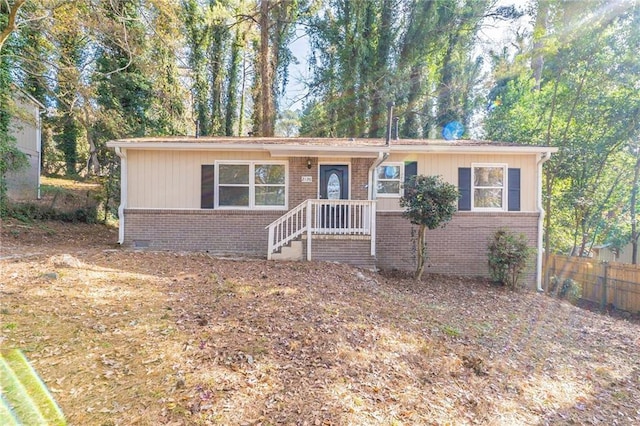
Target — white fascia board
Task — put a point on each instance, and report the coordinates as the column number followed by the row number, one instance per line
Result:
column 183, row 146
column 275, row 150
column 325, row 151
column 466, row 149
column 292, row 150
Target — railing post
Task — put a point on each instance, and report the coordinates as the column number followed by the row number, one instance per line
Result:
column 372, row 225
column 309, row 226
column 270, row 249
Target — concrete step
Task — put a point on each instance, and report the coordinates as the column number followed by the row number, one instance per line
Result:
column 291, row 252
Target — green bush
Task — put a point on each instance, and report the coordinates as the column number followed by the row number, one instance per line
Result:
column 570, row 290
column 554, row 282
column 509, row 255
column 29, row 212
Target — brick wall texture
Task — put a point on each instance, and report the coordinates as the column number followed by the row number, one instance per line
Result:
column 356, row 252
column 459, row 248
column 215, row 231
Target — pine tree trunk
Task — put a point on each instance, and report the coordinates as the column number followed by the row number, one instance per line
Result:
column 539, row 31
column 266, row 83
column 232, row 96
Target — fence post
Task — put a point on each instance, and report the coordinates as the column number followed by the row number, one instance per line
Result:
column 603, row 299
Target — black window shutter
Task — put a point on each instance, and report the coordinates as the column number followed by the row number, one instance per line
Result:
column 464, row 187
column 514, row 190
column 207, row 186
column 410, row 170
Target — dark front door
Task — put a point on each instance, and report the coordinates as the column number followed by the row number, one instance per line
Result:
column 334, row 182
column 334, row 185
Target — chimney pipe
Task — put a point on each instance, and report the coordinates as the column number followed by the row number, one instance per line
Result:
column 396, row 121
column 389, row 121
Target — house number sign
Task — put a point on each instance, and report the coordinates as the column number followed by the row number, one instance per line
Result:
column 307, row 179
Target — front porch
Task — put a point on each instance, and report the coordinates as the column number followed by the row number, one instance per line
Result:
column 326, row 230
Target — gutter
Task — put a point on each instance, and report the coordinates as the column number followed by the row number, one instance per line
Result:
column 39, row 148
column 544, row 157
column 123, row 192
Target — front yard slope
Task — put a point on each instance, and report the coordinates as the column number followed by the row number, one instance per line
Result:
column 128, row 337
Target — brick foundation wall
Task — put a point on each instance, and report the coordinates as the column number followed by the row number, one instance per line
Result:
column 214, row 231
column 460, row 248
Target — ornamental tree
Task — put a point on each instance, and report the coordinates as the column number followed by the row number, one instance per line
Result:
column 430, row 203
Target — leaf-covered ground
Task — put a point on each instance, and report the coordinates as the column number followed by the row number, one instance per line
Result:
column 125, row 337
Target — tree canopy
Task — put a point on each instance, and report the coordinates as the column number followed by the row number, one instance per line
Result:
column 540, row 72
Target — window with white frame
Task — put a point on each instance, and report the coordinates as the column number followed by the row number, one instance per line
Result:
column 389, row 178
column 489, row 183
column 251, row 185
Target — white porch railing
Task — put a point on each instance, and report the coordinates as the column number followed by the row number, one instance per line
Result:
column 326, row 217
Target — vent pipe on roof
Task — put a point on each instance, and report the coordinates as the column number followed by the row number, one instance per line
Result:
column 396, row 121
column 389, row 122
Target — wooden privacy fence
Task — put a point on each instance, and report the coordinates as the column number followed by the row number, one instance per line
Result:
column 606, row 283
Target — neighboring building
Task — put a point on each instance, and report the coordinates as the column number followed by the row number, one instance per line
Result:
column 325, row 199
column 26, row 127
column 611, row 254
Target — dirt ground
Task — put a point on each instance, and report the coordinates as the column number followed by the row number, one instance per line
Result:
column 126, row 337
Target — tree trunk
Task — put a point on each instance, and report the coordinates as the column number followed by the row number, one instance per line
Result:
column 93, row 164
column 266, row 76
column 232, row 96
column 243, row 94
column 547, row 216
column 216, row 54
column 379, row 89
column 69, row 143
column 11, row 21
column 539, row 31
column 634, row 222
column 410, row 128
column 422, row 251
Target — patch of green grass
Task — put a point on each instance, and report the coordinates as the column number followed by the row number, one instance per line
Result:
column 50, row 231
column 10, row 326
column 451, row 330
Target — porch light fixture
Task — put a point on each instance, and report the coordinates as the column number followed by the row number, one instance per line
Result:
column 308, row 163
